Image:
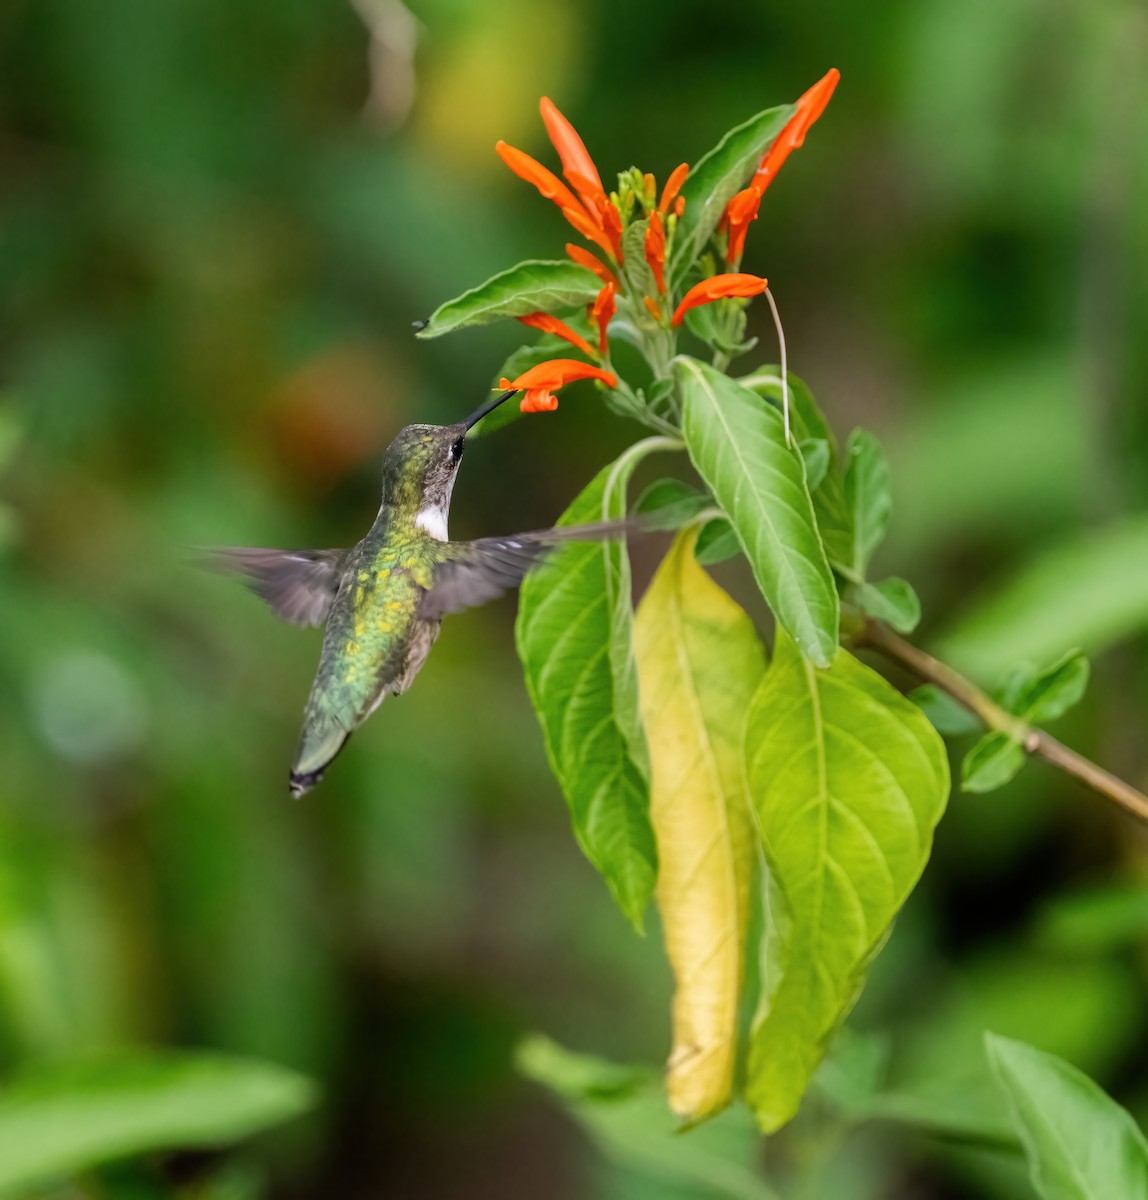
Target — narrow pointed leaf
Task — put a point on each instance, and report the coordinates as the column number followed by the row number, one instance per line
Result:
column 848, row 780
column 737, row 444
column 1080, row 1144
column 699, row 663
column 574, row 639
column 716, row 178
column 1039, row 696
column 528, row 287
column 74, row 1117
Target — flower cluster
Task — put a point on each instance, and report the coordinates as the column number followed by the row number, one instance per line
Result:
column 603, row 219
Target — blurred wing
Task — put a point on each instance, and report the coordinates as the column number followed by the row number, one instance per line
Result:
column 481, row 570
column 299, row 585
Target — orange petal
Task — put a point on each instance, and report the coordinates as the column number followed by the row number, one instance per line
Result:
column 602, row 311
column 549, row 324
column 718, row 287
column 679, row 207
column 738, row 215
column 556, row 373
column 571, row 149
column 809, row 108
column 584, row 258
column 673, row 186
column 534, row 172
column 538, row 400
column 578, row 218
column 656, row 249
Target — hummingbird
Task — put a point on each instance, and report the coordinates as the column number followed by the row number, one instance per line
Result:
column 384, row 599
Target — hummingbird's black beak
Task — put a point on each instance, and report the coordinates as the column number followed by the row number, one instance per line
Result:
column 489, row 406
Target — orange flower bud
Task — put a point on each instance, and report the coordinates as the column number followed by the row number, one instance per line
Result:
column 718, row 287
column 656, row 249
column 571, row 149
column 602, row 311
column 673, row 186
column 535, row 173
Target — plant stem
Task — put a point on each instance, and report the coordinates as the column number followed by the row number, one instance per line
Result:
column 1035, row 741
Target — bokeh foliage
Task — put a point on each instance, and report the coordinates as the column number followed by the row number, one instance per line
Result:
column 216, row 225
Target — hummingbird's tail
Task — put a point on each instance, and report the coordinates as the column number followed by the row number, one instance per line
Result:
column 317, row 750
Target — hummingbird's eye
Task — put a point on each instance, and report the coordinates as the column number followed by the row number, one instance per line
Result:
column 457, row 448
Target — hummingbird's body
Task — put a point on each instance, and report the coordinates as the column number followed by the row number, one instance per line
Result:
column 383, row 601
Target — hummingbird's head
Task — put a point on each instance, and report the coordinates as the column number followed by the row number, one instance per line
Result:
column 420, row 466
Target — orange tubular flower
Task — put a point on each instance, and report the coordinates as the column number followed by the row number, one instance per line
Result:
column 588, row 229
column 718, row 287
column 739, row 213
column 809, row 108
column 602, row 311
column 549, row 324
column 571, row 149
column 546, row 377
column 656, row 249
column 585, row 259
column 673, row 186
column 535, row 173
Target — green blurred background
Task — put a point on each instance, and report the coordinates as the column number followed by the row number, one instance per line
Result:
column 217, row 223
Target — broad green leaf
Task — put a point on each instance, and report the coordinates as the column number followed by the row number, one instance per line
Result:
column 70, row 1118
column 673, row 501
column 892, row 600
column 991, row 763
column 716, row 178
column 1080, row 1144
column 944, row 713
column 573, row 634
column 526, row 288
column 1038, row 696
column 867, row 497
column 699, row 664
column 737, row 444
column 1091, row 592
column 833, row 519
column 848, row 780
column 624, row 1112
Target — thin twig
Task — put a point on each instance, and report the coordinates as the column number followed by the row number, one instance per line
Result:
column 1035, row 741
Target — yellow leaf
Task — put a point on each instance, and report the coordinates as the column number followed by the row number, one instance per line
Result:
column 699, row 663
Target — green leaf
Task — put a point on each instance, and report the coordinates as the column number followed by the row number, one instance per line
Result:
column 624, row 1112
column 944, row 713
column 807, row 417
column 71, row 1118
column 573, row 633
column 526, row 288
column 716, row 542
column 716, row 178
column 1080, row 1144
column 867, row 497
column 1042, row 696
column 737, row 444
column 991, row 763
column 892, row 601
column 699, row 664
column 674, row 502
column 817, row 456
column 848, row 780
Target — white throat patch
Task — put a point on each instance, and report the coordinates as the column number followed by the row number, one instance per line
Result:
column 432, row 520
